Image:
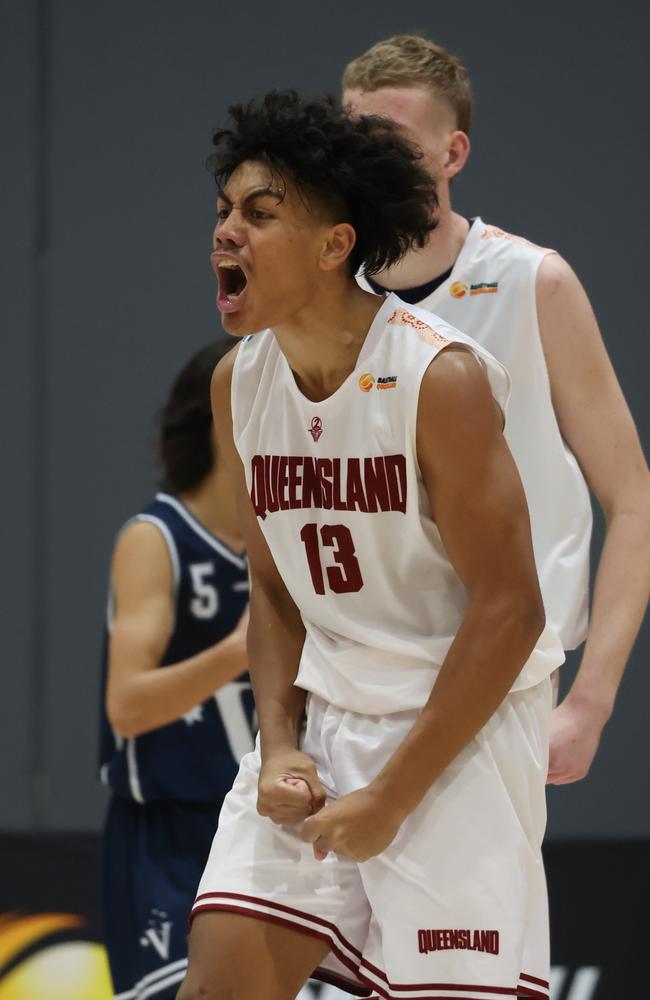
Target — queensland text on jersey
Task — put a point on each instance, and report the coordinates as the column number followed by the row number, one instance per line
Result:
column 346, row 515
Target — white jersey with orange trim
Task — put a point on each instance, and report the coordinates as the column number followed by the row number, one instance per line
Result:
column 340, row 499
column 490, row 295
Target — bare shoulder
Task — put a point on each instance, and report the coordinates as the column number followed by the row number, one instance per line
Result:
column 141, row 555
column 454, row 380
column 557, row 279
column 568, row 328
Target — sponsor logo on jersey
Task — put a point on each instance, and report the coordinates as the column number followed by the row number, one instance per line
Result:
column 368, row 485
column 315, row 428
column 457, row 940
column 484, row 288
column 367, row 381
column 459, row 289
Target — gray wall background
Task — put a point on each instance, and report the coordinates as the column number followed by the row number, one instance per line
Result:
column 106, row 220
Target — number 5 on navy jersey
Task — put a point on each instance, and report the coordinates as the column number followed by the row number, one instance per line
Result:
column 205, row 603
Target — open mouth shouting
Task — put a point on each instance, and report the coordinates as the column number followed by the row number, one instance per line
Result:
column 232, row 281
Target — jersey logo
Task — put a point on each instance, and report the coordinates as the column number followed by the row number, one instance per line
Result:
column 300, row 482
column 193, row 715
column 367, row 381
column 316, row 428
column 158, row 933
column 459, row 289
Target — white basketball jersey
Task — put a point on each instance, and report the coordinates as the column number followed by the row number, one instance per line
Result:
column 490, row 295
column 340, row 499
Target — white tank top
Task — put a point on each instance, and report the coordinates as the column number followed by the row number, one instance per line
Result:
column 490, row 296
column 342, row 505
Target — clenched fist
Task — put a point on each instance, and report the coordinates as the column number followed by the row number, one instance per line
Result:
column 289, row 788
column 359, row 826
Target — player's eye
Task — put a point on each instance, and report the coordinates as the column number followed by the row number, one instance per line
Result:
column 257, row 213
column 222, row 213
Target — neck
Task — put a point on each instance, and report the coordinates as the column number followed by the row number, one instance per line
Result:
column 322, row 342
column 439, row 255
column 213, row 504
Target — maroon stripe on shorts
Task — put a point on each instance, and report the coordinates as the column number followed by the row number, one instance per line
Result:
column 388, row 992
column 283, row 909
column 452, row 987
column 534, row 979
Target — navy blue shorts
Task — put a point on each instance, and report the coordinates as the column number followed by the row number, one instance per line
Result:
column 153, row 858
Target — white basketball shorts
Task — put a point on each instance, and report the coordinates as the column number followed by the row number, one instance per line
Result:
column 454, row 909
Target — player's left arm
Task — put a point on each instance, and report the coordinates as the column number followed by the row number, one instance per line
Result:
column 597, row 425
column 479, row 506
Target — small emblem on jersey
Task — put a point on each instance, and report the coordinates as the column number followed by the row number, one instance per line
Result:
column 460, row 289
column 158, row 933
column 316, row 428
column 193, row 715
column 387, row 382
column 366, row 382
column 457, row 940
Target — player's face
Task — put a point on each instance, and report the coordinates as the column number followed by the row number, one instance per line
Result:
column 266, row 246
column 422, row 119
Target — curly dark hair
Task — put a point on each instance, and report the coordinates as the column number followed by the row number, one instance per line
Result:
column 359, row 171
column 184, row 447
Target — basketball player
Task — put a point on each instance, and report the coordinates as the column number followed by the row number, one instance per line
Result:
column 568, row 418
column 394, row 845
column 171, row 746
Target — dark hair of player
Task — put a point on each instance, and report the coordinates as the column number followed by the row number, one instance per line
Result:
column 184, row 447
column 359, row 171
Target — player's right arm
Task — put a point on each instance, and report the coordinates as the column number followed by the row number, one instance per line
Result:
column 289, row 788
column 139, row 696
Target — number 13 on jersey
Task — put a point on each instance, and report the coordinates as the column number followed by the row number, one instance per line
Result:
column 344, row 577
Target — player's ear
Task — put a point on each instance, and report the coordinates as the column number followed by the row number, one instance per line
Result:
column 457, row 153
column 337, row 246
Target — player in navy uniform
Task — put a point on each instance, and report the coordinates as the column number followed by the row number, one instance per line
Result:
column 172, row 738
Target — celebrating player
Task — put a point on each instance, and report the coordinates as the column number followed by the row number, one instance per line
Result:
column 394, row 843
column 170, row 745
column 567, row 416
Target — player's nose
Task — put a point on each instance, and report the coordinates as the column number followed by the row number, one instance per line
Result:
column 228, row 235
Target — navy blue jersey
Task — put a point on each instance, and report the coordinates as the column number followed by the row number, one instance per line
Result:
column 196, row 758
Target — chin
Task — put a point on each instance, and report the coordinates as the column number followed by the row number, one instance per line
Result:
column 237, row 326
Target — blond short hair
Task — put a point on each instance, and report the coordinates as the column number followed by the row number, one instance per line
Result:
column 409, row 60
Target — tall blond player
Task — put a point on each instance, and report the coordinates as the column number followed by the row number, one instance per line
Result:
column 569, row 427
